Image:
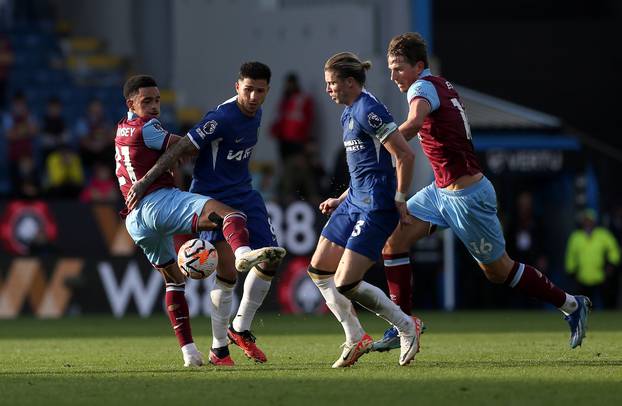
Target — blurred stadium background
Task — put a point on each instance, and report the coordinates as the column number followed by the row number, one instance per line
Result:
column 537, row 79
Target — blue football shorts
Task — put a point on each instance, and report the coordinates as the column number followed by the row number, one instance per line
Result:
column 471, row 213
column 364, row 232
column 159, row 216
column 258, row 224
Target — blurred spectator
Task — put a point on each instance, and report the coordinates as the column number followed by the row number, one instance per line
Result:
column 54, row 132
column 27, row 180
column 303, row 177
column 96, row 136
column 526, row 239
column 293, row 124
column 526, row 235
column 102, row 188
column 65, row 175
column 6, row 61
column 591, row 254
column 21, row 130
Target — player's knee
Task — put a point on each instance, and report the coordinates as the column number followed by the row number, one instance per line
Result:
column 348, row 290
column 172, row 274
column 318, row 275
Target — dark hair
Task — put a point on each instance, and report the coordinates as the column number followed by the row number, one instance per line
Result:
column 134, row 83
column 255, row 71
column 411, row 46
column 347, row 64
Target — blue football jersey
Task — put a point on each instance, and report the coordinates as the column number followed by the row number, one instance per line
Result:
column 225, row 138
column 366, row 125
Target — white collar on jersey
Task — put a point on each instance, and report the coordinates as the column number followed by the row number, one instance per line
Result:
column 131, row 115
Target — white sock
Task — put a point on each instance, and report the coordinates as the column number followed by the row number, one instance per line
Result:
column 255, row 291
column 189, row 349
column 222, row 297
column 241, row 250
column 375, row 300
column 570, row 305
column 342, row 308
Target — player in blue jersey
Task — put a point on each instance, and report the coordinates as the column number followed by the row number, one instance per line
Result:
column 366, row 214
column 225, row 139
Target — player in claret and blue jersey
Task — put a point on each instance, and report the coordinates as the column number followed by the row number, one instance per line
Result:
column 364, row 216
column 460, row 197
column 165, row 210
column 225, row 139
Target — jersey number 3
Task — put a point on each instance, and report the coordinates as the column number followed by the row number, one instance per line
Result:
column 123, row 153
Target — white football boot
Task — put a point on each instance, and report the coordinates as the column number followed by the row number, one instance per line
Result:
column 246, row 261
column 409, row 342
column 353, row 351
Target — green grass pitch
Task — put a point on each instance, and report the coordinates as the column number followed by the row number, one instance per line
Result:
column 496, row 358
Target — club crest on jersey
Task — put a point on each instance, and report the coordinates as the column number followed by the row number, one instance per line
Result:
column 351, row 124
column 373, row 120
column 210, row 127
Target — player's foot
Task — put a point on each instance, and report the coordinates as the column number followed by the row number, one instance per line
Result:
column 578, row 321
column 193, row 359
column 220, row 357
column 246, row 341
column 391, row 340
column 249, row 259
column 409, row 342
column 353, row 351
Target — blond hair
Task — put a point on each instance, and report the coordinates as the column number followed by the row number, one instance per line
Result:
column 347, row 64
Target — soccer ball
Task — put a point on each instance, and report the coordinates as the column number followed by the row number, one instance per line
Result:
column 197, row 258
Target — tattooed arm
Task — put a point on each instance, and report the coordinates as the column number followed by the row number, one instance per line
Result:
column 180, row 147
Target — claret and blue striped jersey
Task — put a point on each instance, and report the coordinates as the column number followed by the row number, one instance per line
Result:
column 225, row 138
column 366, row 125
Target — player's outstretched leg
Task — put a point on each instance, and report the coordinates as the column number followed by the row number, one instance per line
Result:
column 237, row 236
column 533, row 283
column 578, row 320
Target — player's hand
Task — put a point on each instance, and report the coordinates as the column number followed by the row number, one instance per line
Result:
column 135, row 194
column 329, row 205
column 402, row 209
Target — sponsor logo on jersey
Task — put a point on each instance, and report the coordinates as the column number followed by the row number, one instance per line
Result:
column 210, row 127
column 239, row 155
column 373, row 120
column 354, row 145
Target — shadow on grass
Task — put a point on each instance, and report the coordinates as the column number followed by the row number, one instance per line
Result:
column 333, row 388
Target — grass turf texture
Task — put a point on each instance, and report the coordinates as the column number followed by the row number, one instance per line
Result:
column 466, row 358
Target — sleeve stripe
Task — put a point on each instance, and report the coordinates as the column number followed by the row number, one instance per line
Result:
column 192, row 141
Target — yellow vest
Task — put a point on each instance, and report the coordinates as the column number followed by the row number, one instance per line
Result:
column 587, row 255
